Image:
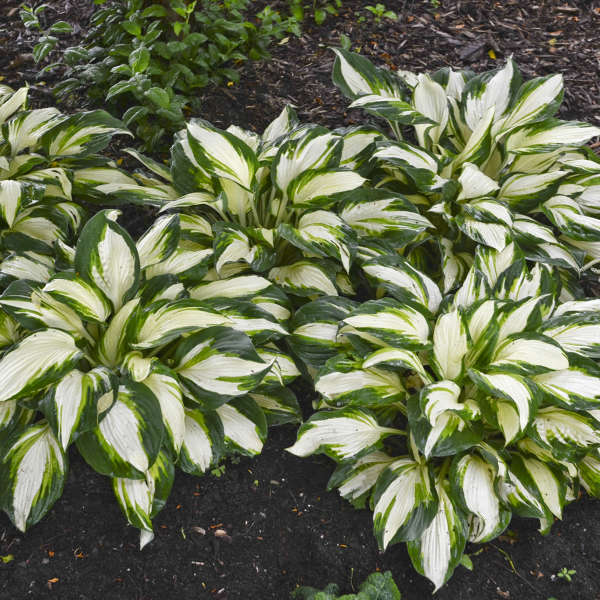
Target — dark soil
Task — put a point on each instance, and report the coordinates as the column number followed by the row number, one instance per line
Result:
column 267, row 525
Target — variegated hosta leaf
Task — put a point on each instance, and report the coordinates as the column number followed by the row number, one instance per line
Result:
column 221, row 154
column 26, row 128
column 387, row 322
column 568, row 434
column 244, row 426
column 441, row 422
column 533, row 489
column 568, row 216
column 355, row 479
column 517, row 412
column 165, row 386
column 69, row 405
column 549, row 135
column 304, row 278
column 127, row 440
column 312, row 149
column 344, row 383
column 142, row 499
column 341, row 434
column 356, row 76
column 418, row 164
column 33, row 470
column 30, row 266
column 234, row 248
column 575, row 387
column 279, row 404
column 536, row 99
column 241, row 287
column 11, row 102
column 322, row 233
column 203, row 441
column 218, row 364
column 397, row 358
column 107, row 257
column 473, row 482
column 82, row 296
column 379, row 213
column 403, row 281
column 438, row 550
column 15, row 195
column 577, row 333
column 589, row 473
column 314, row 337
column 450, row 345
column 313, row 188
column 114, row 342
column 284, row 369
column 524, row 192
column 493, row 89
column 158, row 325
column 82, row 134
column 248, row 318
column 405, row 502
column 528, row 354
column 37, row 361
column 159, row 241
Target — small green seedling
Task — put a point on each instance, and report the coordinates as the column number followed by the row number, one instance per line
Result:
column 566, row 574
column 380, row 12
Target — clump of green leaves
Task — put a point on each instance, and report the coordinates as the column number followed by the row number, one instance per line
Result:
column 48, row 40
column 319, row 9
column 377, row 586
column 380, row 12
column 148, row 61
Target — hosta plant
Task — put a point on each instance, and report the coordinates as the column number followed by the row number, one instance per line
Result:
column 289, row 205
column 43, row 155
column 112, row 356
column 448, row 415
column 484, row 159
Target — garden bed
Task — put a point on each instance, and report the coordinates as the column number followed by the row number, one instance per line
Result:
column 266, row 525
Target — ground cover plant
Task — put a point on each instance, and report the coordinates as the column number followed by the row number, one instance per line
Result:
column 414, row 284
column 148, row 60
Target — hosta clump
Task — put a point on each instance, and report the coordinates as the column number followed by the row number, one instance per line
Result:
column 43, row 154
column 119, row 361
column 448, row 416
column 289, row 205
column 485, row 160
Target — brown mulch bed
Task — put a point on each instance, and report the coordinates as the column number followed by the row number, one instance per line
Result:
column 282, row 527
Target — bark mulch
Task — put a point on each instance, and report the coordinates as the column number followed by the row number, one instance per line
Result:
column 266, row 525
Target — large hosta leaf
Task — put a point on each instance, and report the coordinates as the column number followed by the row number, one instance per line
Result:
column 127, row 440
column 341, row 434
column 405, row 502
column 37, row 361
column 438, row 550
column 33, row 470
column 218, row 364
column 473, row 481
column 106, row 256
